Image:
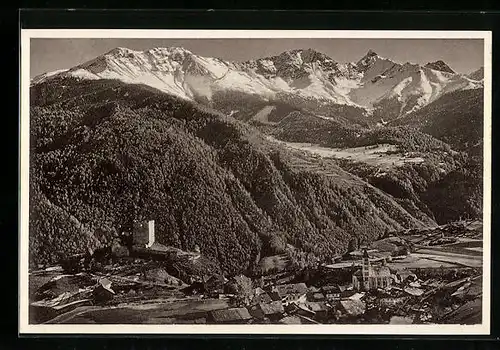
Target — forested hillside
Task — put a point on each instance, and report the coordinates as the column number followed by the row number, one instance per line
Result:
column 104, row 153
column 456, row 118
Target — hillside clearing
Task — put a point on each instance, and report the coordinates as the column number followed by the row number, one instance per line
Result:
column 381, row 155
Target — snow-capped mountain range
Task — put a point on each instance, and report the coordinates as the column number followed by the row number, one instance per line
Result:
column 303, row 73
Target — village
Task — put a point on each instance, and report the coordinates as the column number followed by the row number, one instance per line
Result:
column 427, row 276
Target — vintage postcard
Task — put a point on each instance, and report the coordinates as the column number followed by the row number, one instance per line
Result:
column 255, row 182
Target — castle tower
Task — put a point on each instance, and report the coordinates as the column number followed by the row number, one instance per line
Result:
column 365, row 270
column 151, row 233
column 144, row 233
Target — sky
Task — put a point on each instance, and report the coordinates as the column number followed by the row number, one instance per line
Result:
column 462, row 55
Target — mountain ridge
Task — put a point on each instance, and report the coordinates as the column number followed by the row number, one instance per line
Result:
column 307, row 74
column 441, row 66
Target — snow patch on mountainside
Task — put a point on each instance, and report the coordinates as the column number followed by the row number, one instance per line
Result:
column 43, row 77
column 83, row 74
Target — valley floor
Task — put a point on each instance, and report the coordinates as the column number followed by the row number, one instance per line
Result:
column 383, row 156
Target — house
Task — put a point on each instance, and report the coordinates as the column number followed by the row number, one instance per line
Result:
column 297, row 319
column 404, row 275
column 313, row 289
column 333, row 296
column 234, row 315
column 356, row 296
column 273, row 310
column 291, row 320
column 347, row 294
column 157, row 247
column 118, row 249
column 371, row 276
column 45, row 310
column 143, row 234
column 401, row 320
column 103, row 291
column 331, row 292
column 352, row 307
column 262, row 298
column 331, row 289
column 347, row 287
column 414, row 291
column 290, row 292
column 300, row 309
column 391, row 301
column 316, row 296
column 320, row 309
column 214, row 285
column 194, row 288
column 258, row 291
column 76, row 263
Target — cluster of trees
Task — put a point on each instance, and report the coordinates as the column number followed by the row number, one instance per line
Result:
column 241, row 105
column 243, row 289
column 457, row 118
column 459, row 194
column 443, row 188
column 407, row 140
column 389, row 108
column 55, row 234
column 304, row 127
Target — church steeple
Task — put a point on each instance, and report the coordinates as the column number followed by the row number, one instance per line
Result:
column 365, row 254
column 365, row 269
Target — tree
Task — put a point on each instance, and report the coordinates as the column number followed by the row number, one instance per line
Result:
column 353, row 245
column 242, row 286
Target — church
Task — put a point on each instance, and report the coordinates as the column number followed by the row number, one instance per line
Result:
column 371, row 276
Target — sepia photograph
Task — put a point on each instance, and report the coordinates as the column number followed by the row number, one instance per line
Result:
column 255, row 182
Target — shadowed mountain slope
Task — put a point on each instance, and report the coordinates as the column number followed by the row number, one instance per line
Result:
column 104, row 153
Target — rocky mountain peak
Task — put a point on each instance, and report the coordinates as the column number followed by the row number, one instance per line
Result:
column 367, row 60
column 440, row 66
column 119, row 51
column 478, row 74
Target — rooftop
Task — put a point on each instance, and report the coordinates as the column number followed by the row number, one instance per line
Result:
column 272, row 308
column 382, row 271
column 287, row 289
column 353, row 307
column 229, row 315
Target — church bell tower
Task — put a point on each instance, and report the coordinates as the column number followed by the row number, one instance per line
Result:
column 365, row 269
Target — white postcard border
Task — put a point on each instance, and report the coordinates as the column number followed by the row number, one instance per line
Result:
column 26, row 328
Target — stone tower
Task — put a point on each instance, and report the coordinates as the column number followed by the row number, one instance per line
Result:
column 144, row 233
column 151, row 233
